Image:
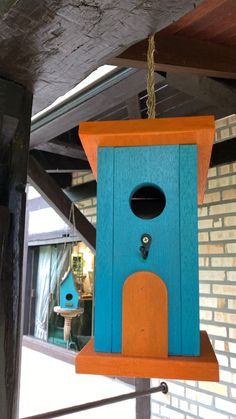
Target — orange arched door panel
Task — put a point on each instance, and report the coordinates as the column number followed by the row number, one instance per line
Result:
column 145, row 316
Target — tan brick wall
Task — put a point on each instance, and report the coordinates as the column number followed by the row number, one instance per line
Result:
column 217, row 275
column 226, row 128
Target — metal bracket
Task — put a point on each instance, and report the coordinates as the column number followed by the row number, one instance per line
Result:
column 80, row 408
column 146, row 241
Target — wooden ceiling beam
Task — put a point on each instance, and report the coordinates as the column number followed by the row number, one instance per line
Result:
column 60, row 147
column 84, row 191
column 56, row 198
column 182, row 54
column 55, row 163
column 88, row 108
column 215, row 92
column 63, row 180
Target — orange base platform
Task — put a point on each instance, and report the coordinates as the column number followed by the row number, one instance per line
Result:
column 200, row 368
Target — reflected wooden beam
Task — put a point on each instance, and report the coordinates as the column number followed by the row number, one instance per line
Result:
column 55, row 163
column 60, row 147
column 84, row 110
column 215, row 92
column 84, row 191
column 223, row 152
column 182, row 54
column 56, row 198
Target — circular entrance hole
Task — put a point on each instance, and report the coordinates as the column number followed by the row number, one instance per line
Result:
column 69, row 297
column 148, row 202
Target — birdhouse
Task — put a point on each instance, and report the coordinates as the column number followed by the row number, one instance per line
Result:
column 151, row 175
column 69, row 297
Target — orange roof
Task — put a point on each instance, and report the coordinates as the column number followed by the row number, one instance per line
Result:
column 166, row 131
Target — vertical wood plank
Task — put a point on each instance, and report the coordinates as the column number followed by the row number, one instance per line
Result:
column 136, row 166
column 189, row 250
column 104, row 256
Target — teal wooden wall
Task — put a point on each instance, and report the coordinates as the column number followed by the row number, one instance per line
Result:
column 173, row 253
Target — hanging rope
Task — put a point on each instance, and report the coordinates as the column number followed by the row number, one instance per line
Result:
column 151, row 98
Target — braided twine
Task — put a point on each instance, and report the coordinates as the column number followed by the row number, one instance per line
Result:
column 151, row 98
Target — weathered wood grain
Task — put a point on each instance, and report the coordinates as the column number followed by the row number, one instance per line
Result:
column 206, row 58
column 15, row 113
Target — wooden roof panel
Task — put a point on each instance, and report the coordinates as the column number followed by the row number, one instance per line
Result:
column 165, row 131
column 212, row 21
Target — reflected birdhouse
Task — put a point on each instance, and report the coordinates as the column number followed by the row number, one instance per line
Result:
column 70, row 287
column 151, row 175
column 68, row 293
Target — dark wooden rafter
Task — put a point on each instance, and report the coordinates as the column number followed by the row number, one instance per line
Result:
column 4, row 229
column 63, row 180
column 215, row 92
column 84, row 191
column 58, row 147
column 54, row 163
column 182, row 54
column 133, row 107
column 55, row 67
column 56, row 198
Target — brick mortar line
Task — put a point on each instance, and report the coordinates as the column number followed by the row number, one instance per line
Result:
column 223, row 214
column 210, row 283
column 218, row 255
column 223, row 241
column 219, row 310
column 224, row 175
column 224, row 412
column 218, row 323
column 220, row 201
column 212, row 337
column 220, row 296
column 192, row 387
column 212, row 407
column 228, row 356
column 228, row 125
column 219, row 188
column 216, row 269
column 175, row 409
column 215, row 230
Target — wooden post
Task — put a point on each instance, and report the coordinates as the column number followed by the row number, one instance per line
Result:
column 15, row 113
column 143, row 404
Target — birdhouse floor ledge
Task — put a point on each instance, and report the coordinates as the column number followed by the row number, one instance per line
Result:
column 200, row 368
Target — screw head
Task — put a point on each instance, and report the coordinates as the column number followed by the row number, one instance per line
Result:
column 145, row 239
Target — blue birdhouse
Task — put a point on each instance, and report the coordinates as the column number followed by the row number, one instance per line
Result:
column 151, row 175
column 69, row 297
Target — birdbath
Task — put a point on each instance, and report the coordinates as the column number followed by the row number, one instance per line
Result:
column 68, row 314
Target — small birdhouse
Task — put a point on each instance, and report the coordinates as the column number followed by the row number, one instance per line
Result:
column 69, row 297
column 151, row 175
